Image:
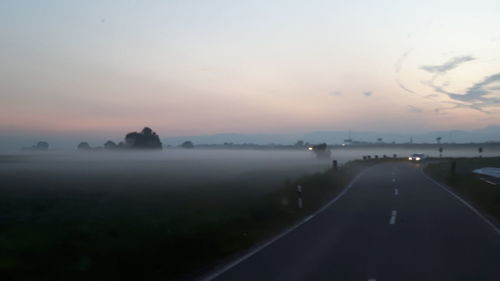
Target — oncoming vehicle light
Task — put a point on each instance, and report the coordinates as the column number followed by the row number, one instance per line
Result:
column 409, row 158
column 418, row 158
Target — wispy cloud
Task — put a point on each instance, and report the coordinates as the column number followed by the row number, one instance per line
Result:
column 482, row 94
column 368, row 93
column 414, row 109
column 399, row 63
column 404, row 87
column 335, row 93
column 447, row 66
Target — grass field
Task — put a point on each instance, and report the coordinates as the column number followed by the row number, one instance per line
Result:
column 79, row 221
column 483, row 195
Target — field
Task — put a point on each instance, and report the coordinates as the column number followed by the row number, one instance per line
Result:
column 144, row 217
column 483, row 195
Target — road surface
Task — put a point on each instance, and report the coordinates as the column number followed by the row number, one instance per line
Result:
column 393, row 224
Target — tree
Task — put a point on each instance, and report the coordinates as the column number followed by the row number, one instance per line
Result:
column 299, row 143
column 438, row 140
column 187, row 144
column 84, row 146
column 42, row 145
column 321, row 150
column 147, row 138
column 110, row 145
column 480, row 150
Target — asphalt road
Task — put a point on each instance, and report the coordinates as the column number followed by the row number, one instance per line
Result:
column 393, row 224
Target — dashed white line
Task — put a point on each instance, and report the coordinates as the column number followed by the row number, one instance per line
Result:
column 396, row 191
column 393, row 180
column 372, row 279
column 394, row 214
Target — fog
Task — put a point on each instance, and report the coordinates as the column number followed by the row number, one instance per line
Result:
column 183, row 168
column 168, row 168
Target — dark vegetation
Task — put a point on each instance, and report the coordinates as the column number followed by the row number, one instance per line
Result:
column 187, row 144
column 483, row 195
column 88, row 228
column 40, row 146
column 321, row 150
column 146, row 139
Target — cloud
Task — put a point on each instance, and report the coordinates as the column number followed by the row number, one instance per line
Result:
column 335, row 93
column 414, row 109
column 481, row 92
column 368, row 93
column 399, row 63
column 404, row 87
column 447, row 66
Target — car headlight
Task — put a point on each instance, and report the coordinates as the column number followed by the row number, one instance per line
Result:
column 409, row 158
column 418, row 158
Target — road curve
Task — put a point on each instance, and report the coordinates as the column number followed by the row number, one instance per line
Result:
column 393, row 224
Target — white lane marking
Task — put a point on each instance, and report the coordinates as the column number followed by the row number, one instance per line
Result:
column 396, row 191
column 474, row 210
column 285, row 232
column 394, row 214
column 393, row 180
column 372, row 279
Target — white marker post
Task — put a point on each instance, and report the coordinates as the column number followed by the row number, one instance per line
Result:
column 299, row 196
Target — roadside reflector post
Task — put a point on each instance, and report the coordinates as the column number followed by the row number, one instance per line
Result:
column 300, row 202
column 334, row 165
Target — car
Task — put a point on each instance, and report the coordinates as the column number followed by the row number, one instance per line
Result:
column 417, row 157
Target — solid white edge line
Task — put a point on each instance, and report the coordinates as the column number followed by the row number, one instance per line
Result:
column 276, row 238
column 396, row 191
column 474, row 210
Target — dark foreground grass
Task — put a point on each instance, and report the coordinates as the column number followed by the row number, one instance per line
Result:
column 483, row 195
column 50, row 234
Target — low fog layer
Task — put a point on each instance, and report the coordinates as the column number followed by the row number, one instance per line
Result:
column 168, row 168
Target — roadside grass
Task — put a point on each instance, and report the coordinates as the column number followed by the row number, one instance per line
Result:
column 157, row 235
column 481, row 194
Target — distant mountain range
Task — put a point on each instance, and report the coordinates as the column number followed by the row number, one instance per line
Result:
column 488, row 134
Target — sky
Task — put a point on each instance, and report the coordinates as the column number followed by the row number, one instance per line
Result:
column 104, row 68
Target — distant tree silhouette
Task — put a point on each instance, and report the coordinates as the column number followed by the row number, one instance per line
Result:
column 145, row 139
column 438, row 140
column 84, row 146
column 300, row 143
column 110, row 145
column 187, row 144
column 321, row 150
column 42, row 145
